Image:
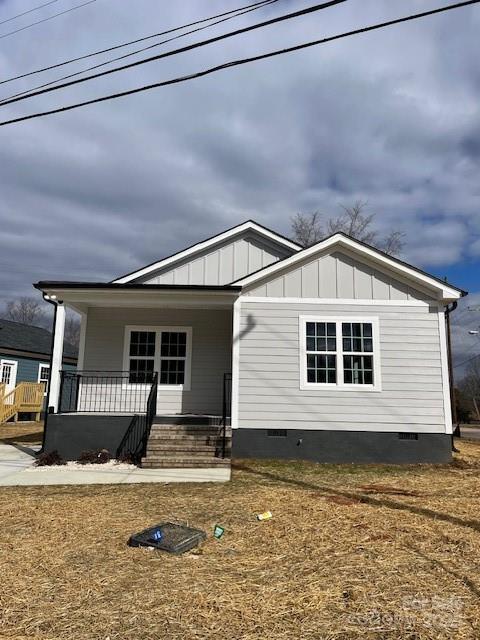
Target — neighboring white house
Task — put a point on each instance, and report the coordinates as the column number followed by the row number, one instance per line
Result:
column 335, row 353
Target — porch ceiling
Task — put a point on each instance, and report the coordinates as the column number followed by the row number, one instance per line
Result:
column 81, row 295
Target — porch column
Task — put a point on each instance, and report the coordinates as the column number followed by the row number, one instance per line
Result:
column 57, row 356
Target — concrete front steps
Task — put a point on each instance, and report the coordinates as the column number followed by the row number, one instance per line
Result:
column 187, row 446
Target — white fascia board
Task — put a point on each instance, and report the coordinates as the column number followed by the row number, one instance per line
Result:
column 81, row 299
column 446, row 292
column 201, row 246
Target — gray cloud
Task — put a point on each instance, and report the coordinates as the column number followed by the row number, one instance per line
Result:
column 391, row 117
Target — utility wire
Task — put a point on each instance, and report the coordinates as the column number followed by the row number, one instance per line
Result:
column 243, row 61
column 19, row 15
column 127, row 55
column 467, row 361
column 195, row 45
column 55, row 15
column 126, row 44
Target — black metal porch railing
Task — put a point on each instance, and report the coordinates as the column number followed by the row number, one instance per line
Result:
column 226, row 409
column 134, row 442
column 104, row 392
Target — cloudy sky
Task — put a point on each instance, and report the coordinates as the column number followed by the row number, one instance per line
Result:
column 391, row 117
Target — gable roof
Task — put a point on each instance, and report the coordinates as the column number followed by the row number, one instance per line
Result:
column 339, row 239
column 24, row 337
column 249, row 225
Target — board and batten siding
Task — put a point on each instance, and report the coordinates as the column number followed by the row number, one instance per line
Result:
column 337, row 275
column 221, row 264
column 412, row 371
column 211, row 351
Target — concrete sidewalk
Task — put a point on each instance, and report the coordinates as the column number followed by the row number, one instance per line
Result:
column 16, row 469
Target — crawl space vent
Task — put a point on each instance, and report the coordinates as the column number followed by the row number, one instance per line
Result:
column 408, row 436
column 277, row 433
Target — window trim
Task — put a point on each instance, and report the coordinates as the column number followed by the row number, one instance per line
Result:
column 340, row 384
column 43, row 365
column 158, row 329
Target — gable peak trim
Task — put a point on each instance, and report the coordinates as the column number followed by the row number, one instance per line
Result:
column 248, row 225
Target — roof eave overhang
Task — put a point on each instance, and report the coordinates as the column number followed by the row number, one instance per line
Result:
column 80, row 295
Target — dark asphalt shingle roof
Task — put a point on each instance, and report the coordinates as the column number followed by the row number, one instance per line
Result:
column 24, row 337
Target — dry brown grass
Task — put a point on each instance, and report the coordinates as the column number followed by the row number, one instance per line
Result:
column 335, row 562
column 21, row 432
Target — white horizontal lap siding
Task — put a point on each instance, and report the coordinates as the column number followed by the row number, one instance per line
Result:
column 412, row 393
column 233, row 259
column 211, row 351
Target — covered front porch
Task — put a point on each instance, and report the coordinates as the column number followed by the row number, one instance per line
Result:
column 148, row 355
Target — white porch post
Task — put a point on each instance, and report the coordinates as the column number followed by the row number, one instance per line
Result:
column 57, row 355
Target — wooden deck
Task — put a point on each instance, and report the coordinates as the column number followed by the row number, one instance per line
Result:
column 27, row 397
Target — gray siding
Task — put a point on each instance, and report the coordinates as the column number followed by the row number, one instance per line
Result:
column 223, row 263
column 412, row 386
column 337, row 275
column 211, row 351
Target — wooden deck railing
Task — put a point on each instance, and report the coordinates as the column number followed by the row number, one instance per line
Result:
column 27, row 397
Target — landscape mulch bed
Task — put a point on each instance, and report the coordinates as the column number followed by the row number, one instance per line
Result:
column 352, row 551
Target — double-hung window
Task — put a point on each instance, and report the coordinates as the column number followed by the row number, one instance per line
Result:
column 339, row 352
column 43, row 376
column 166, row 350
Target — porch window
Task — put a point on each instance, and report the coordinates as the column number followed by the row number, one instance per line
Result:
column 142, row 356
column 339, row 352
column 163, row 349
column 173, row 355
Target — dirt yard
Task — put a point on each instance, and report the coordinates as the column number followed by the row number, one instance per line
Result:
column 351, row 552
column 21, row 432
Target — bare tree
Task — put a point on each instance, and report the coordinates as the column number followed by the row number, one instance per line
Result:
column 25, row 310
column 354, row 221
column 72, row 331
column 469, row 386
column 307, row 228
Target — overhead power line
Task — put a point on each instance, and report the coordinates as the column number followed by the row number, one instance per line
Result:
column 28, row 92
column 19, row 15
column 195, row 45
column 55, row 15
column 127, row 44
column 467, row 361
column 243, row 61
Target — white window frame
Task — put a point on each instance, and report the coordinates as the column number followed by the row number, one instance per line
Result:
column 43, row 365
column 14, row 365
column 340, row 384
column 158, row 330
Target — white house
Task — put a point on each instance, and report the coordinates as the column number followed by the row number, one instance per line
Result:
column 335, row 353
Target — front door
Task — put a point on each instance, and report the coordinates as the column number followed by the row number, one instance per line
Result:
column 8, row 374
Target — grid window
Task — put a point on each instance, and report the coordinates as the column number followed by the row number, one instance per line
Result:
column 339, row 352
column 321, row 368
column 357, row 337
column 358, row 369
column 321, row 336
column 172, row 372
column 174, row 344
column 43, row 376
column 142, row 343
column 142, row 357
column 141, row 371
column 357, row 340
column 321, row 346
column 166, row 350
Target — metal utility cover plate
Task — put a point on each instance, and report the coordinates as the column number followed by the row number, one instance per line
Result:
column 175, row 538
